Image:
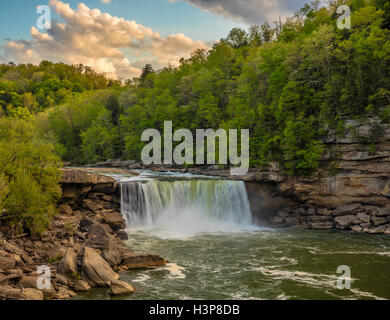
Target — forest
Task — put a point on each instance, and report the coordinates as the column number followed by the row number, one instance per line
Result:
column 291, row 84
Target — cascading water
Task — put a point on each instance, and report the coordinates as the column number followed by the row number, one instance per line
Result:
column 186, row 206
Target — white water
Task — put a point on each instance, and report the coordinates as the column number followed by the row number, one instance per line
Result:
column 184, row 208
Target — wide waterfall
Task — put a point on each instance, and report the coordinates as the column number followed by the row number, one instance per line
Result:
column 186, row 205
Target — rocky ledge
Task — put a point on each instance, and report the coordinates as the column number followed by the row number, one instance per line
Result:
column 83, row 247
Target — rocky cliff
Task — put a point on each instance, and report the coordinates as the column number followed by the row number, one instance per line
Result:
column 83, row 246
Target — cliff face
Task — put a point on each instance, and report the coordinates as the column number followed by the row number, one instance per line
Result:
column 356, row 196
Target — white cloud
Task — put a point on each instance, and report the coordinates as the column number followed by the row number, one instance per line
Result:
column 99, row 40
column 106, row 1
column 250, row 11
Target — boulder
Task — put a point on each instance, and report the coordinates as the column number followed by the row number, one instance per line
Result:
column 277, row 220
column 378, row 221
column 64, row 293
column 113, row 257
column 357, row 229
column 99, row 238
column 7, row 261
column 345, row 222
column 96, row 269
column 114, row 220
column 92, row 205
column 7, row 292
column 56, row 253
column 85, row 224
column 66, row 209
column 122, row 235
column 135, row 261
column 383, row 212
column 363, row 217
column 61, row 279
column 322, row 225
column 68, row 263
column 347, row 209
column 28, row 282
column 32, row 294
column 121, row 288
column 82, row 286
column 17, row 250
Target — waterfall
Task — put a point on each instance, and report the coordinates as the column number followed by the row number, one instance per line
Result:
column 200, row 205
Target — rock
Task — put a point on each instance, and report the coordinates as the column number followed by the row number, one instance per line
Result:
column 96, row 269
column 64, row 293
column 363, row 217
column 48, row 294
column 98, row 238
column 283, row 214
column 17, row 250
column 383, row 212
column 85, row 224
column 93, row 206
column 387, row 231
column 28, row 282
column 32, row 294
column 56, row 253
column 66, row 209
column 114, row 220
column 292, row 220
column 320, row 218
column 122, row 235
column 82, row 286
column 79, row 176
column 322, row 225
column 7, row 292
column 378, row 221
column 113, row 257
column 61, row 279
column 346, row 209
column 68, row 264
column 135, row 261
column 120, row 288
column 81, row 235
column 6, row 261
column 345, row 222
column 357, row 229
column 311, row 211
column 277, row 220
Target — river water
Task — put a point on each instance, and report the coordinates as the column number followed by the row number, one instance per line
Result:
column 203, row 227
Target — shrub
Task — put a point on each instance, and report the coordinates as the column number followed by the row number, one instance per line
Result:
column 29, row 177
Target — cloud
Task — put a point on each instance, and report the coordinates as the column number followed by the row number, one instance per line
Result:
column 249, row 11
column 99, row 40
column 106, row 1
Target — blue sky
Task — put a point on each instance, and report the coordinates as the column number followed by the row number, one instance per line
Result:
column 17, row 16
column 159, row 32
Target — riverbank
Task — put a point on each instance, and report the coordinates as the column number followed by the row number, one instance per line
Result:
column 83, row 246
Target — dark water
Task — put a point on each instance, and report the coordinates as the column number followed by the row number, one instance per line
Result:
column 260, row 264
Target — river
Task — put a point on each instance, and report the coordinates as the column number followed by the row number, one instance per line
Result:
column 203, row 226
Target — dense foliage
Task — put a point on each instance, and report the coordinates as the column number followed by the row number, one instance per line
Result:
column 29, row 177
column 290, row 85
column 28, row 89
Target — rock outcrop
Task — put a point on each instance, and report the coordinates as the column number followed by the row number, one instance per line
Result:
column 82, row 247
column 96, row 269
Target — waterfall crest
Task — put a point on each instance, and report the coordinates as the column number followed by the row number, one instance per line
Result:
column 199, row 204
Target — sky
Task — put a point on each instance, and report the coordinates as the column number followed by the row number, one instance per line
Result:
column 120, row 36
